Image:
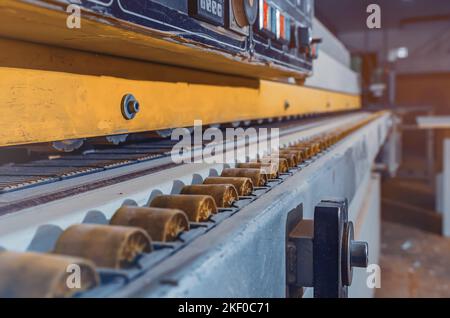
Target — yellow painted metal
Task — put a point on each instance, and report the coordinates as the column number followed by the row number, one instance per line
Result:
column 40, row 106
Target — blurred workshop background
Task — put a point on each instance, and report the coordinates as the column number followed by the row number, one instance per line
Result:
column 406, row 64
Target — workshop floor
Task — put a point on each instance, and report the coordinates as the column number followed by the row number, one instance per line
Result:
column 414, row 263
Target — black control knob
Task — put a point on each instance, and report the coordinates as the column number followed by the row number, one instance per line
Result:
column 245, row 12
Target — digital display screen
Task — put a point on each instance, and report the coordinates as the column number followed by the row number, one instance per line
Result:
column 212, row 11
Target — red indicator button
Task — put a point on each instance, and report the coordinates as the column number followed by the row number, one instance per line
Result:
column 282, row 34
column 266, row 24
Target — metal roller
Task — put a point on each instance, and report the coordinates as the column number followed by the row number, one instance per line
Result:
column 301, row 153
column 322, row 142
column 305, row 145
column 316, row 147
column 331, row 138
column 335, row 137
column 339, row 133
column 257, row 177
column 291, row 158
column 268, row 169
column 297, row 153
column 161, row 224
column 307, row 151
column 327, row 140
column 223, row 194
column 198, row 208
column 283, row 165
column 313, row 146
column 244, row 186
column 33, row 275
column 106, row 245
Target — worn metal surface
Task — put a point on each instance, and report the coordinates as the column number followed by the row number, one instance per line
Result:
column 368, row 223
column 114, row 166
column 299, row 254
column 63, row 103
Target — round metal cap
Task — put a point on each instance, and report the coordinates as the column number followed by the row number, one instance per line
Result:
column 129, row 106
column 359, row 254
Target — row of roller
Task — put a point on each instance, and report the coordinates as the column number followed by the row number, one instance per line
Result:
column 82, row 248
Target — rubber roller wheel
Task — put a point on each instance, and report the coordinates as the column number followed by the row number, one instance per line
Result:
column 267, row 169
column 106, row 245
column 163, row 225
column 33, row 275
column 258, row 179
column 223, row 194
column 198, row 208
column 244, row 186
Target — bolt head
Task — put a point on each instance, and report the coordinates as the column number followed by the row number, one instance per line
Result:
column 359, row 254
column 129, row 106
column 133, row 107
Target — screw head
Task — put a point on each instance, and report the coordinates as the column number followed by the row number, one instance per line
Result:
column 133, row 107
column 129, row 106
column 286, row 105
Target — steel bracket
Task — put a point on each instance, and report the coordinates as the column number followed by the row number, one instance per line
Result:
column 321, row 253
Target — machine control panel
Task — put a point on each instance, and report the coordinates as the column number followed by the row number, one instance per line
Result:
column 271, row 33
